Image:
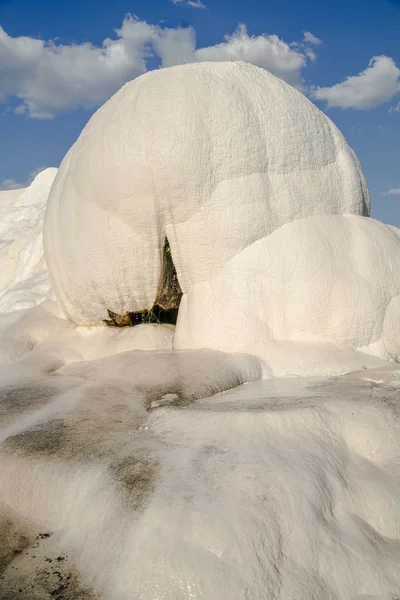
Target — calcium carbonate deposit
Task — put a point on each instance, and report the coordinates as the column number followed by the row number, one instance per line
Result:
column 213, row 156
column 252, row 451
column 23, row 273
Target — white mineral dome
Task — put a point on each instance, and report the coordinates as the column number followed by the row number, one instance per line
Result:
column 23, row 272
column 326, row 278
column 215, row 156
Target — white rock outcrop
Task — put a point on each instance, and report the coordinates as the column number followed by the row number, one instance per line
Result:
column 215, row 156
column 23, row 271
column 321, row 279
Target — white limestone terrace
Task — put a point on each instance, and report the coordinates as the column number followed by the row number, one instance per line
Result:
column 230, row 457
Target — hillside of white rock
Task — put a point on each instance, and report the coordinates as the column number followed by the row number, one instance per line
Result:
column 250, row 452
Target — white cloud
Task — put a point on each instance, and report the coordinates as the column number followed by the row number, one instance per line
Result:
column 11, row 184
column 266, row 51
column 377, row 84
column 311, row 39
column 309, row 52
column 394, row 108
column 48, row 78
column 391, row 192
column 304, row 46
column 192, row 3
column 196, row 4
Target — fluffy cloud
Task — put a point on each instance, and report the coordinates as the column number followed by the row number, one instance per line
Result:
column 266, row 51
column 395, row 108
column 48, row 78
column 11, row 184
column 391, row 192
column 379, row 83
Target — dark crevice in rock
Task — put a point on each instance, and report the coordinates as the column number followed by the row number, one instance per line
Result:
column 166, row 305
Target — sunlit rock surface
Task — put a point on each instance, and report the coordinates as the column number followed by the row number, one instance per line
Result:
column 23, row 273
column 230, row 458
column 213, row 156
column 149, row 486
column 333, row 279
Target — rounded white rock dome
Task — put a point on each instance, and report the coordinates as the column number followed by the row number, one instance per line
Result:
column 325, row 278
column 213, row 156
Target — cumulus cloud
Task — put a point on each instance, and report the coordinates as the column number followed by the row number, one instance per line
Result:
column 393, row 109
column 377, row 84
column 266, row 51
column 391, row 192
column 48, row 78
column 11, row 184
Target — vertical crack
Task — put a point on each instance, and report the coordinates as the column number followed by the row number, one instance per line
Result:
column 166, row 305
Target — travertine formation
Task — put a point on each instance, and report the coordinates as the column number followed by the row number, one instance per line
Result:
column 124, row 473
column 23, row 273
column 246, row 178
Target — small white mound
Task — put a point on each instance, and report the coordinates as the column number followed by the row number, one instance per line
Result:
column 23, row 273
column 41, row 340
column 214, row 156
column 325, row 279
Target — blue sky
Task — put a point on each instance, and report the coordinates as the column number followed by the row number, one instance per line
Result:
column 55, row 68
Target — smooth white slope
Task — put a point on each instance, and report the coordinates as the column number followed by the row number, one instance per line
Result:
column 10, row 197
column 23, row 273
column 215, row 156
column 331, row 278
column 277, row 489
